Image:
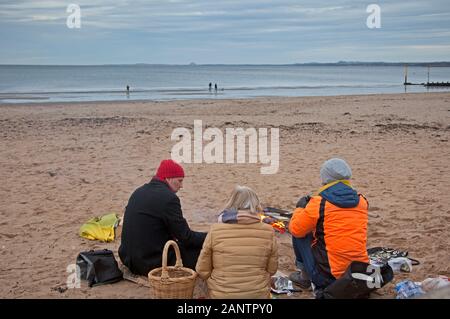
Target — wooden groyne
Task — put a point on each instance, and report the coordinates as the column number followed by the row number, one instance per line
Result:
column 428, row 83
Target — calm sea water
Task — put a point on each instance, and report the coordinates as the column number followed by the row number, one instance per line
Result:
column 20, row 84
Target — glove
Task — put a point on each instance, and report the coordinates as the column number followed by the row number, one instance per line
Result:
column 302, row 202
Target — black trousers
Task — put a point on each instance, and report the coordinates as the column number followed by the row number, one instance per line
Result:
column 189, row 256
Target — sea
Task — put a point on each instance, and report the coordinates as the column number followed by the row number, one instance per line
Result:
column 45, row 83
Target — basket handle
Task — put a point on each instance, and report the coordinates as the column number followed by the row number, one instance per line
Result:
column 179, row 262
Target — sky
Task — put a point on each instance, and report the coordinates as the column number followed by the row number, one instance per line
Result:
column 223, row 32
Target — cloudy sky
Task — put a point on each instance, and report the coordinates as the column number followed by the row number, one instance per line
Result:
column 222, row 31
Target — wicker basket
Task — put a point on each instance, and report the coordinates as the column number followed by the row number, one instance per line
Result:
column 172, row 282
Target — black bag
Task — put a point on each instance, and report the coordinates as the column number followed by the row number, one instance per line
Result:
column 358, row 281
column 99, row 267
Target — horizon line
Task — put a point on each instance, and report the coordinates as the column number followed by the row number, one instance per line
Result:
column 240, row 64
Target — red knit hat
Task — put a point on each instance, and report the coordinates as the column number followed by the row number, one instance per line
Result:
column 169, row 169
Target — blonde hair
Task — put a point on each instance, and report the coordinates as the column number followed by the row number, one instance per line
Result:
column 244, row 198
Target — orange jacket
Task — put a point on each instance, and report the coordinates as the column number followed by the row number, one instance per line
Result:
column 340, row 235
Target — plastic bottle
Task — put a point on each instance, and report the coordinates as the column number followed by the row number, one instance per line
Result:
column 408, row 289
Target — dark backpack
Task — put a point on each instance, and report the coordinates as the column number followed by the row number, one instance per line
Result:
column 99, row 267
column 354, row 284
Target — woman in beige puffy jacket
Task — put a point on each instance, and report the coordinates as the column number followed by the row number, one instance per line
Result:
column 240, row 253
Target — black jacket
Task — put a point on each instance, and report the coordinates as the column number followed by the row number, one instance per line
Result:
column 152, row 217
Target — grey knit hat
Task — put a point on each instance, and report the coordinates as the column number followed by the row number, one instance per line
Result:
column 335, row 169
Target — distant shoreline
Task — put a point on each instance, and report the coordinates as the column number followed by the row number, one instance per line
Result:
column 201, row 100
column 340, row 63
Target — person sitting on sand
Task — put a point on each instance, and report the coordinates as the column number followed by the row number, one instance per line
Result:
column 240, row 253
column 329, row 230
column 152, row 217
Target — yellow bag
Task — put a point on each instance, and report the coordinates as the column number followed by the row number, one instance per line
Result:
column 100, row 228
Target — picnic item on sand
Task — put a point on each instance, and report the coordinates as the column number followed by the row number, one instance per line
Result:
column 172, row 282
column 101, row 228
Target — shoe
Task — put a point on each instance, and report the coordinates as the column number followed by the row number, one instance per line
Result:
column 300, row 279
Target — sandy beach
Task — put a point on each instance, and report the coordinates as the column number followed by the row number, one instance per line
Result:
column 62, row 164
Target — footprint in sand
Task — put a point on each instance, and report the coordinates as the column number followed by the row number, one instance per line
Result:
column 377, row 233
column 8, row 235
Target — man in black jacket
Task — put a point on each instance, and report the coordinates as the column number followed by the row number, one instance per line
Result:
column 152, row 217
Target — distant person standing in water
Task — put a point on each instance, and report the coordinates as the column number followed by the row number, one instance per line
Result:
column 128, row 89
column 210, row 86
column 215, row 87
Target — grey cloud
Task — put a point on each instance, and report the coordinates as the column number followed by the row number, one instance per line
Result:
column 281, row 27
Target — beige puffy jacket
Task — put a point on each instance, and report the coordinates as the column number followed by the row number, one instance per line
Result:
column 237, row 259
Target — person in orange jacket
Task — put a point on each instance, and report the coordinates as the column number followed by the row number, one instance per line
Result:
column 329, row 230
